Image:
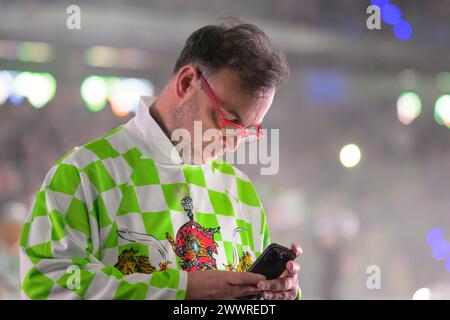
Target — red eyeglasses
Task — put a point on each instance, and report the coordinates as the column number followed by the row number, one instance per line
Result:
column 230, row 128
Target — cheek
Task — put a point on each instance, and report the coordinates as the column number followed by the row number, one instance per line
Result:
column 208, row 117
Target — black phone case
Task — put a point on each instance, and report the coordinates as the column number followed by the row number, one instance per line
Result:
column 271, row 263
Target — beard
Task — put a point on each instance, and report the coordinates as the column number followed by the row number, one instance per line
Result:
column 197, row 148
column 184, row 117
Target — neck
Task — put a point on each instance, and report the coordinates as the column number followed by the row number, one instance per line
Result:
column 156, row 115
column 160, row 112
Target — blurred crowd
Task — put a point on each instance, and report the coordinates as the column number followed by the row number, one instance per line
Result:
column 346, row 220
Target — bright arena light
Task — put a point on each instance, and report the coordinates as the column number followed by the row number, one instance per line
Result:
column 42, row 90
column 422, row 294
column 350, row 155
column 38, row 88
column 6, row 85
column 94, row 92
column 22, row 83
column 409, row 107
column 120, row 98
column 442, row 110
column 124, row 94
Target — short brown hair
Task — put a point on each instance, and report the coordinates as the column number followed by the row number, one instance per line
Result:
column 240, row 47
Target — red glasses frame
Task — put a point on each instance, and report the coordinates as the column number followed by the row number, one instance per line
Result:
column 244, row 133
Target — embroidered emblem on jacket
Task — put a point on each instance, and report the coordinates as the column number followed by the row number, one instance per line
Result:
column 194, row 244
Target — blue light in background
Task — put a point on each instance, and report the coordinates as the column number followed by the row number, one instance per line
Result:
column 391, row 14
column 380, row 3
column 16, row 99
column 441, row 34
column 447, row 264
column 440, row 247
column 434, row 236
column 326, row 86
column 441, row 250
column 403, row 30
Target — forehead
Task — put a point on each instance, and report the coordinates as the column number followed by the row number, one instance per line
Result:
column 233, row 98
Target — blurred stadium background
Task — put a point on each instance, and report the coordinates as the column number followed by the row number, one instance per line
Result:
column 383, row 201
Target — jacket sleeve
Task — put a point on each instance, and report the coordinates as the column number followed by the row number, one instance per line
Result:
column 60, row 249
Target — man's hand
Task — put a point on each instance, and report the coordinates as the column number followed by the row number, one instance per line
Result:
column 286, row 286
column 212, row 284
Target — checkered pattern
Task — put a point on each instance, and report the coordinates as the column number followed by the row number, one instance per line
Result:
column 109, row 185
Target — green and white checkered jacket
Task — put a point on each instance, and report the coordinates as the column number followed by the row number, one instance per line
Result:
column 123, row 217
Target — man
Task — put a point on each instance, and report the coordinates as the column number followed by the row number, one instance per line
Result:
column 134, row 216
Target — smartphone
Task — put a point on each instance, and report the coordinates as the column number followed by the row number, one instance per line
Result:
column 271, row 263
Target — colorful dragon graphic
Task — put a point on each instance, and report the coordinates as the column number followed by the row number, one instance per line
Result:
column 194, row 244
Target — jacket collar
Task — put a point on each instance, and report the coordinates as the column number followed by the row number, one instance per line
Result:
column 149, row 137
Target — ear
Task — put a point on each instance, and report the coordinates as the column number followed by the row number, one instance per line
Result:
column 185, row 81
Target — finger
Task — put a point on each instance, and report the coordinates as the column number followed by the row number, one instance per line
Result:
column 243, row 291
column 280, row 295
column 295, row 248
column 280, row 284
column 244, row 278
column 292, row 268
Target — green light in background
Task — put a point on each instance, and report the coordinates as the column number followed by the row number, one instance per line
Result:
column 38, row 88
column 442, row 110
column 94, row 91
column 101, row 56
column 409, row 107
column 34, row 51
column 22, row 83
column 42, row 90
column 122, row 93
